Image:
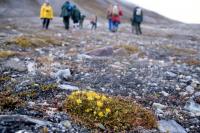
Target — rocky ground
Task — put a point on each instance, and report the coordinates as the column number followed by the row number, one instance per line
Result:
column 160, row 70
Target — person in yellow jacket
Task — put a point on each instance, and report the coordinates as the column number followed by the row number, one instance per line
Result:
column 46, row 14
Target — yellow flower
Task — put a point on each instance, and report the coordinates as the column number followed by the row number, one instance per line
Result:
column 90, row 98
column 97, row 97
column 71, row 97
column 78, row 101
column 100, row 114
column 108, row 110
column 88, row 110
column 99, row 104
column 103, row 98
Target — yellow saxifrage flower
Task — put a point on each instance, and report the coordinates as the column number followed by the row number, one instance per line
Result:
column 90, row 98
column 71, row 97
column 78, row 101
column 88, row 110
column 100, row 114
column 99, row 104
column 108, row 110
column 97, row 97
column 103, row 98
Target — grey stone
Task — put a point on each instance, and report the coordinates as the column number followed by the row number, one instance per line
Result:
column 170, row 126
column 193, row 107
column 120, row 52
column 190, row 89
column 63, row 74
column 16, row 64
column 68, row 87
column 66, row 124
column 159, row 106
column 171, row 75
column 105, row 51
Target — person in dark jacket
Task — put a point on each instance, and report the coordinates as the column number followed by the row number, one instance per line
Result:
column 66, row 12
column 81, row 21
column 137, row 19
column 76, row 16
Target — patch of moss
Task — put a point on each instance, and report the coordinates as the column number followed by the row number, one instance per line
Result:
column 48, row 87
column 23, row 41
column 7, row 53
column 34, row 41
column 28, row 94
column 4, row 78
column 114, row 114
column 9, row 101
column 192, row 62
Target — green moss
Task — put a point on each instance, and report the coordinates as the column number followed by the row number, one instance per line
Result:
column 48, row 87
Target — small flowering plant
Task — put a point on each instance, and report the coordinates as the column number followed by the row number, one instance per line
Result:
column 114, row 113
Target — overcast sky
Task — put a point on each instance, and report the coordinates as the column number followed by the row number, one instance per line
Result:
column 183, row 10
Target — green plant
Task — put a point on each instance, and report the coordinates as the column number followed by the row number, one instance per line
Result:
column 114, row 113
column 48, row 87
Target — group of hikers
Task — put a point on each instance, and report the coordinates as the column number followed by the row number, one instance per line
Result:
column 71, row 11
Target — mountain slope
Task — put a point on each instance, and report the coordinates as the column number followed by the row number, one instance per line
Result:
column 18, row 8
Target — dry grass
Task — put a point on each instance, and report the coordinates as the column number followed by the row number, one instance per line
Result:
column 9, row 101
column 4, row 79
column 7, row 53
column 131, row 49
column 34, row 41
column 192, row 62
column 112, row 114
column 179, row 51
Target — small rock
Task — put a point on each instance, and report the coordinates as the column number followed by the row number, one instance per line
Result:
column 190, row 89
column 66, row 124
column 193, row 107
column 170, row 75
column 15, row 64
column 121, row 52
column 170, row 126
column 165, row 93
column 68, row 87
column 63, row 74
column 105, row 51
column 159, row 106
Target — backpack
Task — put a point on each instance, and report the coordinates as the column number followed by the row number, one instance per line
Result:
column 69, row 7
column 115, row 10
column 138, row 11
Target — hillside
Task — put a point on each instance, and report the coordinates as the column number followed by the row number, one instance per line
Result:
column 24, row 8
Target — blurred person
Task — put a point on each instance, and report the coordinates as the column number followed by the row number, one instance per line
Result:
column 66, row 12
column 46, row 14
column 93, row 22
column 137, row 19
column 109, row 17
column 116, row 17
column 81, row 21
column 76, row 16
